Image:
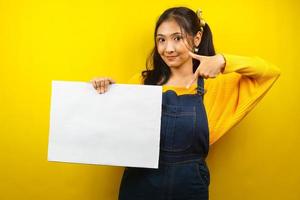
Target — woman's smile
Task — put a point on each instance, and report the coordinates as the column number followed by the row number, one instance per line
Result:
column 171, row 57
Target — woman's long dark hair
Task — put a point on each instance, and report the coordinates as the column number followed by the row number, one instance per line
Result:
column 157, row 71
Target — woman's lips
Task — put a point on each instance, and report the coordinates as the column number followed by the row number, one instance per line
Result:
column 171, row 57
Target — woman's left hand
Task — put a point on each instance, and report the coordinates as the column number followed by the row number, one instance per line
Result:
column 210, row 66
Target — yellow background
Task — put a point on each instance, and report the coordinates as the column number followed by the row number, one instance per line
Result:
column 72, row 40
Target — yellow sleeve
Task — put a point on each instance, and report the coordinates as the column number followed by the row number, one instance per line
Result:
column 136, row 79
column 231, row 95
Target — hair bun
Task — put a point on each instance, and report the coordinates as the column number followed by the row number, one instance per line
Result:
column 202, row 22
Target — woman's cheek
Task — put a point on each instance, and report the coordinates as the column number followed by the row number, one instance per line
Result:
column 160, row 49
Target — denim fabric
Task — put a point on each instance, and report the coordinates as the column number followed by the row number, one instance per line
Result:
column 184, row 145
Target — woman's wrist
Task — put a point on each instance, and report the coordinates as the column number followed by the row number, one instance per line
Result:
column 222, row 62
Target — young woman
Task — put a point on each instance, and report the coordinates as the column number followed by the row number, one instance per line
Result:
column 204, row 95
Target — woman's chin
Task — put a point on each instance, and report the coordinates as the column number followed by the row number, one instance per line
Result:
column 173, row 65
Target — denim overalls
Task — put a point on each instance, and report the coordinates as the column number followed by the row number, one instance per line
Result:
column 184, row 144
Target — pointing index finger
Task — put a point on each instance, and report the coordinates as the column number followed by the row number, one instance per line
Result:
column 198, row 57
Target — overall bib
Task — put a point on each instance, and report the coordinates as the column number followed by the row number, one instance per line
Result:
column 184, row 144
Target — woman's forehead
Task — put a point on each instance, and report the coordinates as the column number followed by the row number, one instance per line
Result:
column 168, row 28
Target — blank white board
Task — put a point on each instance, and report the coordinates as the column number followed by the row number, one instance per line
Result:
column 120, row 127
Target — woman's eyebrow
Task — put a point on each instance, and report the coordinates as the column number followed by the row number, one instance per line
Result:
column 176, row 33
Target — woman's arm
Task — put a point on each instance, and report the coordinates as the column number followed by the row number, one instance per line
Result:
column 231, row 95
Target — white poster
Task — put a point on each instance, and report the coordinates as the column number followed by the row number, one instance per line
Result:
column 120, row 127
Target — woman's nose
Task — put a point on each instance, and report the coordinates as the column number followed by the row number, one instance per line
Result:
column 169, row 48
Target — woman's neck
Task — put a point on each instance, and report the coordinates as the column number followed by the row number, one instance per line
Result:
column 182, row 75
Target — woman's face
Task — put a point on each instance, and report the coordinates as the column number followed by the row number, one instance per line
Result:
column 172, row 45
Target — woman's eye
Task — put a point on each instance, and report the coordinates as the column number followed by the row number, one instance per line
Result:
column 178, row 38
column 161, row 40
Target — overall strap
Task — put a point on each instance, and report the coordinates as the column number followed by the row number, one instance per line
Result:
column 200, row 86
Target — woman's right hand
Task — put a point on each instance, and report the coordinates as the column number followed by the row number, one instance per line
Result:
column 101, row 83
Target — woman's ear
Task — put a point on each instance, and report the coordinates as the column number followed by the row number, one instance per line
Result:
column 197, row 38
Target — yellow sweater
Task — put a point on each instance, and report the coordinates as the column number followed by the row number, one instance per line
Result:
column 231, row 95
